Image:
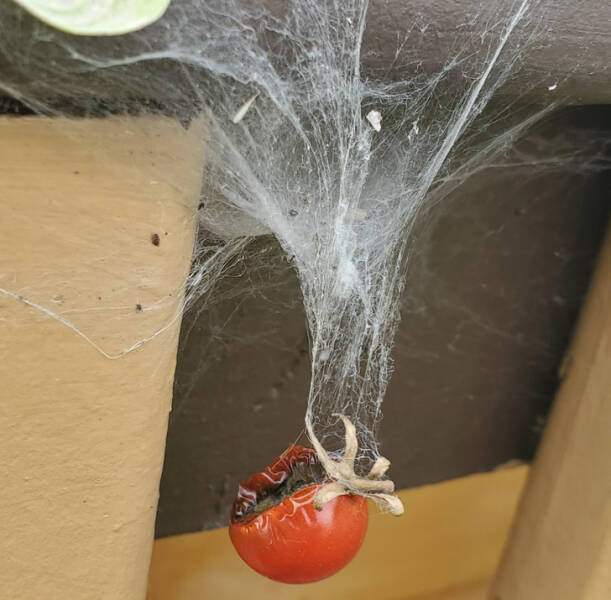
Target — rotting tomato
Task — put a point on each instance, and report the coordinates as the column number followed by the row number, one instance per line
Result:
column 277, row 531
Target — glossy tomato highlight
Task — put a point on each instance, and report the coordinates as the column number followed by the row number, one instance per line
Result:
column 286, row 538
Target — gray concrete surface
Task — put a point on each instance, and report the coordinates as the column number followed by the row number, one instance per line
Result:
column 571, row 44
column 491, row 300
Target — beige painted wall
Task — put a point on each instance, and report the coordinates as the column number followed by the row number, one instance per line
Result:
column 89, row 321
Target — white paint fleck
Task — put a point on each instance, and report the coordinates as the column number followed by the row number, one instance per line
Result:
column 375, row 119
column 551, row 88
column 414, row 131
column 244, row 109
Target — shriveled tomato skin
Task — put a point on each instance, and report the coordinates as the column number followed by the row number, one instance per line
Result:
column 293, row 542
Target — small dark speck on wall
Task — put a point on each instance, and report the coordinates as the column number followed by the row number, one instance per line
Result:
column 139, row 307
column 155, row 239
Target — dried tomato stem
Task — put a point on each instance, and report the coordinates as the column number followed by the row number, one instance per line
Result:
column 345, row 481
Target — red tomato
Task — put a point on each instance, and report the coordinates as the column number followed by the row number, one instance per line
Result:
column 292, row 542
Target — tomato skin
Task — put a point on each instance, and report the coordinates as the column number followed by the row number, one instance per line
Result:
column 293, row 542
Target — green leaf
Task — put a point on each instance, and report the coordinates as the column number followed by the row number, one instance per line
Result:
column 96, row 17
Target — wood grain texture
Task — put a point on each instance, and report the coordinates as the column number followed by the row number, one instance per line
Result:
column 560, row 548
column 470, row 591
column 445, row 547
column 84, row 404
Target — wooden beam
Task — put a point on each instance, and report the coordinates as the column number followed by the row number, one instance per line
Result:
column 89, row 318
column 560, row 547
column 446, row 547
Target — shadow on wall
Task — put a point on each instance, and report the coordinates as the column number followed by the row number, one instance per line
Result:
column 492, row 296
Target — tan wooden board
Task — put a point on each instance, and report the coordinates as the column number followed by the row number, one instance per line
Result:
column 560, row 548
column 446, row 546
